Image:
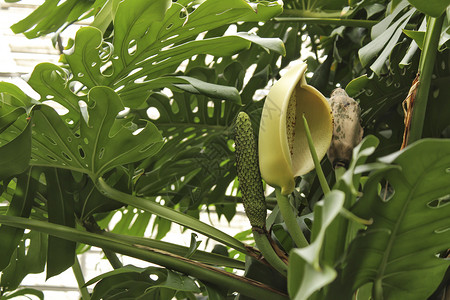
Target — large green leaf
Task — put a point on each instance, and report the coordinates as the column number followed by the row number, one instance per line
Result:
column 385, row 36
column 433, row 8
column 200, row 271
column 139, row 283
column 196, row 165
column 380, row 99
column 15, row 130
column 398, row 253
column 29, row 257
column 52, row 15
column 20, row 205
column 307, row 273
column 151, row 39
column 103, row 142
column 60, row 207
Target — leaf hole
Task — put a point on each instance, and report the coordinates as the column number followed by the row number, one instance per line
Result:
column 386, row 192
column 440, row 202
column 52, row 158
column 153, row 113
column 119, row 88
column 66, row 156
column 132, row 47
column 140, row 79
column 81, row 152
column 435, row 93
column 174, row 107
column 169, row 26
column 369, row 92
column 107, row 68
column 154, row 277
column 442, row 230
column 93, row 64
column 183, row 13
column 196, row 120
column 86, row 141
column 210, row 109
column 80, row 74
column 101, row 153
column 52, row 141
column 169, row 38
column 69, row 139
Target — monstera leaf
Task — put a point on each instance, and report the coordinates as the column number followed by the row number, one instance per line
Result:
column 399, row 252
column 385, row 36
column 15, row 131
column 380, row 99
column 151, row 39
column 52, row 15
column 199, row 129
column 102, row 142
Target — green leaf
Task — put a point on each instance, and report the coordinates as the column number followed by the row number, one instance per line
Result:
column 132, row 223
column 171, row 215
column 380, row 99
column 29, row 257
column 202, row 256
column 51, row 83
column 102, row 144
column 60, row 207
column 307, row 273
column 433, row 8
column 193, row 245
column 15, row 150
column 398, row 252
column 151, row 39
column 20, row 205
column 15, row 130
column 26, row 291
column 417, row 36
column 385, row 40
column 52, row 15
column 173, row 262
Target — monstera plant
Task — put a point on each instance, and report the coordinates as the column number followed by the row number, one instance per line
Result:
column 154, row 104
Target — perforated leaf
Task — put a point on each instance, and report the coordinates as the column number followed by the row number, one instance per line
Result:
column 385, row 36
column 52, row 15
column 151, row 39
column 15, row 130
column 102, row 143
column 398, row 253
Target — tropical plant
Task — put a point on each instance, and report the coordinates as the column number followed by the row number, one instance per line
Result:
column 142, row 108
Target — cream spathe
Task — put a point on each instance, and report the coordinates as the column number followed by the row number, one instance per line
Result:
column 283, row 147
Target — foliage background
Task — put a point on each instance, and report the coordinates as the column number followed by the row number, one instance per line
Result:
column 195, row 166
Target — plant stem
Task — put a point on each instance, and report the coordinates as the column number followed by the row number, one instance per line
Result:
column 230, row 281
column 351, row 216
column 80, row 280
column 290, row 220
column 171, row 215
column 113, row 259
column 267, row 251
column 312, row 149
column 426, row 65
column 330, row 21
